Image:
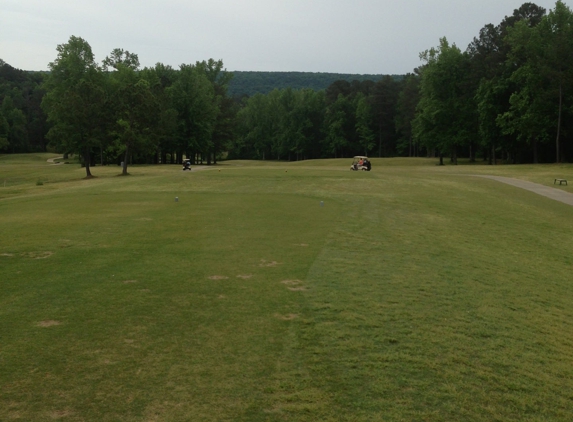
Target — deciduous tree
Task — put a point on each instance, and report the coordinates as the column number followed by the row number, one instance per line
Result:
column 75, row 99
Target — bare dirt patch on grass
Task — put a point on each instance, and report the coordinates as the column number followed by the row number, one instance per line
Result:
column 48, row 323
column 218, row 277
column 265, row 263
column 287, row 317
column 129, row 281
column 245, row 276
column 304, row 245
column 292, row 282
column 59, row 414
column 37, row 255
column 294, row 285
column 7, row 254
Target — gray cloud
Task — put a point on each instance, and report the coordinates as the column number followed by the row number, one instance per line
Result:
column 347, row 36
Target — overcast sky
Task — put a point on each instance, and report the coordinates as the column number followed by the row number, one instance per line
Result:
column 341, row 36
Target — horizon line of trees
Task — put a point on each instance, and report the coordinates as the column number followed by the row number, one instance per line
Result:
column 508, row 96
column 249, row 83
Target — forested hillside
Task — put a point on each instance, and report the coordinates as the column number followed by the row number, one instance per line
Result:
column 250, row 83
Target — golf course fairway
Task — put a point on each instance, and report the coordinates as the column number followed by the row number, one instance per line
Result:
column 413, row 292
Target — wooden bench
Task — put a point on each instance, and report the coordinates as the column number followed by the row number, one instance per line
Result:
column 561, row 181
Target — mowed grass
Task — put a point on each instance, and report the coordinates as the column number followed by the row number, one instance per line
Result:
column 415, row 293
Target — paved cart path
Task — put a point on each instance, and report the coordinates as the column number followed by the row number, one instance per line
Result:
column 51, row 161
column 549, row 192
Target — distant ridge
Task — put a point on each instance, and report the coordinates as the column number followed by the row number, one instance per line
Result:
column 250, row 83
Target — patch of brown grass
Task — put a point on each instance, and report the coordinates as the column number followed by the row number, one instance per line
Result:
column 291, row 282
column 295, row 285
column 245, row 277
column 129, row 281
column 287, row 317
column 218, row 277
column 37, row 255
column 58, row 414
column 48, row 323
column 265, row 263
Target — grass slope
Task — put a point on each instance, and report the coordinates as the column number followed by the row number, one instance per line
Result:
column 415, row 293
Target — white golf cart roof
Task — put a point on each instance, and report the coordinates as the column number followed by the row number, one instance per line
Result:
column 358, row 157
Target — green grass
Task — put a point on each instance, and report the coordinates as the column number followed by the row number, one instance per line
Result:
column 416, row 293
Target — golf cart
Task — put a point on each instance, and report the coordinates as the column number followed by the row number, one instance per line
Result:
column 361, row 163
column 187, row 164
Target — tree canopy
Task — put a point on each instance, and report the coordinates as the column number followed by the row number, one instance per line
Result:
column 508, row 96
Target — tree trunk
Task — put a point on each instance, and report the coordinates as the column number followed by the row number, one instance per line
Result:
column 557, row 153
column 410, row 148
column 441, row 158
column 534, row 143
column 87, row 162
column 380, row 139
column 124, row 171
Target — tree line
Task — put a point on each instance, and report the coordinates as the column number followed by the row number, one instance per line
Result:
column 115, row 111
column 346, row 119
column 245, row 83
column 507, row 97
column 22, row 123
